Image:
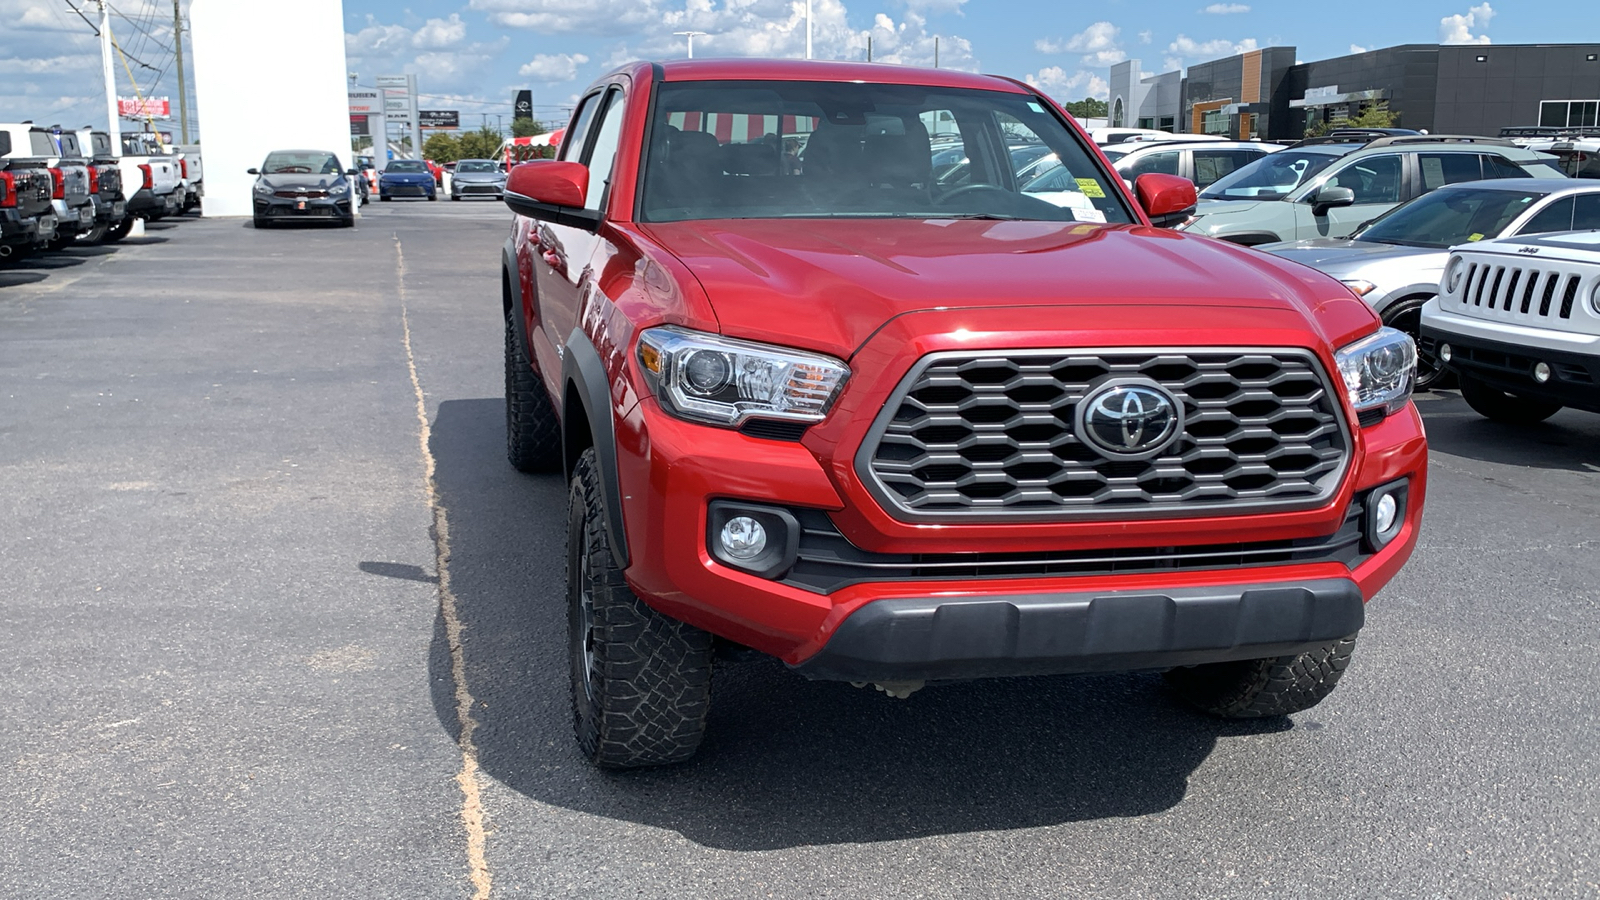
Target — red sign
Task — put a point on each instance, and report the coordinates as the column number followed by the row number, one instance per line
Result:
column 148, row 108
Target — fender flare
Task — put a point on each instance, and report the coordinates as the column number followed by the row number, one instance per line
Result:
column 583, row 371
column 508, row 265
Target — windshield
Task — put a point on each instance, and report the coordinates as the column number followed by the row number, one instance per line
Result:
column 407, row 165
column 1442, row 219
column 476, row 165
column 1272, row 177
column 828, row 150
column 307, row 163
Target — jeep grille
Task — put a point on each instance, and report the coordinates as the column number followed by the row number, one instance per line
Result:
column 971, row 436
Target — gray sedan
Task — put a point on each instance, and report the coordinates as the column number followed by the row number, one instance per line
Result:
column 1394, row 263
column 478, row 178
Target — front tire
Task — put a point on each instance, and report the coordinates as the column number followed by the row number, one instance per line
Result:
column 1261, row 688
column 1493, row 403
column 641, row 682
column 119, row 230
column 533, row 435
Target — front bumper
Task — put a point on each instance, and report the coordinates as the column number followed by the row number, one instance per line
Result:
column 309, row 208
column 478, row 190
column 406, row 190
column 1480, row 350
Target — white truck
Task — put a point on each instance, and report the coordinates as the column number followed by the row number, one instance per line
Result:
column 1518, row 320
column 151, row 179
column 69, row 174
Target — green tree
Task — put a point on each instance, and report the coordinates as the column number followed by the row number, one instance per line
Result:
column 480, row 144
column 1087, row 108
column 1376, row 115
column 442, row 147
column 527, row 127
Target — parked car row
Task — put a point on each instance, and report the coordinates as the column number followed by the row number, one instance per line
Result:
column 59, row 187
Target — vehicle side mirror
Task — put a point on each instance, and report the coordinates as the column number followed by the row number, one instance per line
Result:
column 1167, row 199
column 551, row 191
column 252, row 171
column 1330, row 197
column 352, row 171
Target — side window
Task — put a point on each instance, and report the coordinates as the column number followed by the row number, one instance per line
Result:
column 5, row 144
column 1440, row 169
column 579, row 129
column 1586, row 212
column 1161, row 163
column 1375, row 179
column 605, row 150
column 1498, row 167
column 1555, row 217
column 1211, row 165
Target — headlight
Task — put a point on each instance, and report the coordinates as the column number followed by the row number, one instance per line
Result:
column 263, row 189
column 1594, row 299
column 1359, row 288
column 1379, row 370
column 340, row 188
column 1453, row 273
column 722, row 381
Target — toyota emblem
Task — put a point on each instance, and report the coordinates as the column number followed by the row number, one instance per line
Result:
column 1129, row 418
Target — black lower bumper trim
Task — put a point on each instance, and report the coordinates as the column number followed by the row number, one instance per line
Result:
column 1509, row 367
column 932, row 639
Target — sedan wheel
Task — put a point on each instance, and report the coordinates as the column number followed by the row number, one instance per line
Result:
column 1407, row 317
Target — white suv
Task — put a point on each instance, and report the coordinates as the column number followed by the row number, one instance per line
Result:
column 1518, row 319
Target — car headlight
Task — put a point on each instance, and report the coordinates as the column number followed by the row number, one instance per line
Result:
column 1379, row 370
column 721, row 381
column 1453, row 273
column 1359, row 288
column 263, row 189
column 340, row 188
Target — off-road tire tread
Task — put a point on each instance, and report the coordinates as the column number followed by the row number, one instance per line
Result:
column 533, row 435
column 1499, row 406
column 1260, row 688
column 652, row 687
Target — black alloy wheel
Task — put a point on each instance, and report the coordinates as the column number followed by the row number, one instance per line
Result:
column 1407, row 317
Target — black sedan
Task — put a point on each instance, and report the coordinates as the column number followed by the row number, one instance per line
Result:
column 303, row 185
column 478, row 178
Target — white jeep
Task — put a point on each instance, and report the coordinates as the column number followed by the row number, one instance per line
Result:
column 1518, row 320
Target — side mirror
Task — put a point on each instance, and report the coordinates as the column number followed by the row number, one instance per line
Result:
column 551, row 191
column 252, row 171
column 1167, row 199
column 1330, row 197
column 352, row 171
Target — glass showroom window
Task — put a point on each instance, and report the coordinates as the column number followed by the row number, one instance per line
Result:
column 1569, row 113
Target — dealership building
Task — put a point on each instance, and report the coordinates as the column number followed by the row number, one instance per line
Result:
column 1444, row 89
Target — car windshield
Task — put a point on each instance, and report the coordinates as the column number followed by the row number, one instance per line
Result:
column 407, row 165
column 290, row 163
column 1114, row 154
column 1445, row 218
column 833, row 150
column 1272, row 177
column 476, row 165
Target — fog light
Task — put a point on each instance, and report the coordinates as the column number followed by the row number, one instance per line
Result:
column 1445, row 352
column 1388, row 508
column 743, row 538
column 1541, row 372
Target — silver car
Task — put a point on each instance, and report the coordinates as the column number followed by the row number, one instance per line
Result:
column 1203, row 163
column 1395, row 262
column 478, row 178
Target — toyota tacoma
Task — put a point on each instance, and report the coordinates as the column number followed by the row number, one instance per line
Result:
column 812, row 403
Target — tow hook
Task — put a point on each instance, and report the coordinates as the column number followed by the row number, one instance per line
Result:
column 899, row 690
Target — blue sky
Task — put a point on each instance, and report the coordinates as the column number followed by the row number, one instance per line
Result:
column 472, row 55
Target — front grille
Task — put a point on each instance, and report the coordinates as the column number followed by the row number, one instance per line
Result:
column 828, row 562
column 301, row 195
column 479, row 189
column 970, row 436
column 1517, row 291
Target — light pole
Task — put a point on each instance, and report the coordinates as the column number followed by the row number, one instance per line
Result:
column 691, row 36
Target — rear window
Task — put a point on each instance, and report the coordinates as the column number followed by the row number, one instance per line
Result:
column 5, row 144
column 407, row 165
column 477, row 166
column 854, row 150
column 42, row 145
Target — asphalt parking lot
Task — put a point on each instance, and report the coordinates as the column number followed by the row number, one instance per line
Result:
column 228, row 670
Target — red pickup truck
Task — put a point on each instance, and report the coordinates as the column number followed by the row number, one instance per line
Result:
column 895, row 425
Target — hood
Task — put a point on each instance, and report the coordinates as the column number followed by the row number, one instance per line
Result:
column 1388, row 266
column 844, row 278
column 289, row 181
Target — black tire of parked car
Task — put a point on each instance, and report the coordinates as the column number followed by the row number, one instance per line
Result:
column 119, row 231
column 260, row 222
column 641, row 682
column 433, row 196
column 385, row 198
column 1260, row 688
column 94, row 235
column 1493, row 403
column 533, row 435
column 1406, row 316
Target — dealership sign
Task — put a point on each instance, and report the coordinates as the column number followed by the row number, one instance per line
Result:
column 439, row 118
column 146, row 108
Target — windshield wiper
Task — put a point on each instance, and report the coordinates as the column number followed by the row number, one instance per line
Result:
column 996, row 217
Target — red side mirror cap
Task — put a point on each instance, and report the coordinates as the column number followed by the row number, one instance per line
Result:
column 1166, row 199
column 550, row 182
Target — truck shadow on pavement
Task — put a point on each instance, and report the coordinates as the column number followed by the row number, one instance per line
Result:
column 1570, row 440
column 787, row 762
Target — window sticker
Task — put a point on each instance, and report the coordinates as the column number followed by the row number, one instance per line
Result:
column 1090, row 188
column 1432, row 172
column 1089, row 215
column 1474, row 237
column 1035, row 107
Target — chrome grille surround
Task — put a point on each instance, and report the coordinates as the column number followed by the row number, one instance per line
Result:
column 988, row 436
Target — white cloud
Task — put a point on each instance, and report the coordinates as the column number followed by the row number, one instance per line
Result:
column 439, row 33
column 552, row 68
column 1098, row 43
column 1146, row 37
column 1458, row 29
column 436, row 53
column 1188, row 48
column 596, row 17
column 1226, row 9
column 1357, row 48
column 1056, row 82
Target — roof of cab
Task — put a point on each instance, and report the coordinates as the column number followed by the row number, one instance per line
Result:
column 826, row 70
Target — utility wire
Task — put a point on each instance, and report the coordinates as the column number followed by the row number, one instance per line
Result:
column 83, row 17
